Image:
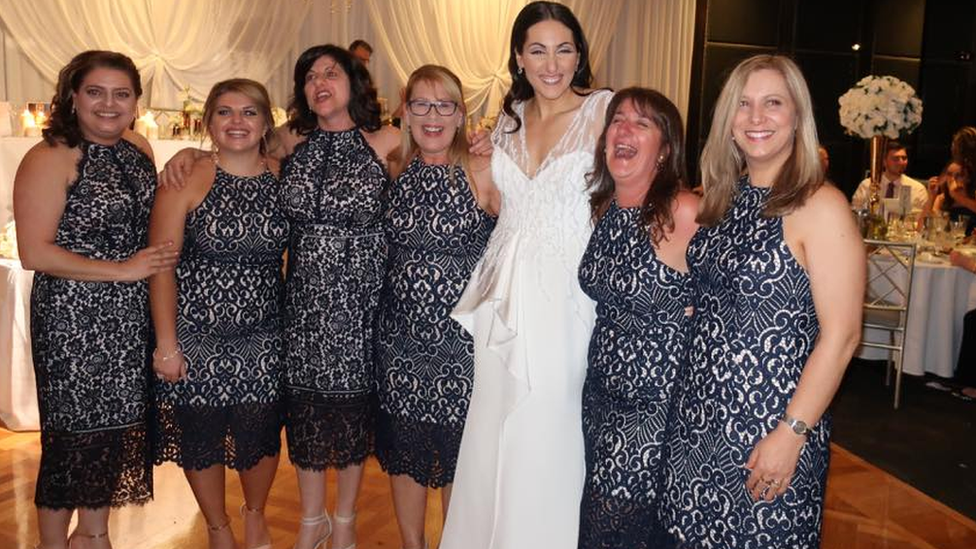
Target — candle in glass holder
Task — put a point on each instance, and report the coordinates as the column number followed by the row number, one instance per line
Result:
column 28, row 126
column 146, row 126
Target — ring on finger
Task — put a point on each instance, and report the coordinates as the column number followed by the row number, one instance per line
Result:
column 775, row 482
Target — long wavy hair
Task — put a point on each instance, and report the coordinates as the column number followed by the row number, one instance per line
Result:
column 964, row 150
column 63, row 123
column 364, row 108
column 253, row 91
column 723, row 163
column 457, row 154
column 655, row 214
column 531, row 14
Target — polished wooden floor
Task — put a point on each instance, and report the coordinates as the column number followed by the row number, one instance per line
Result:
column 866, row 508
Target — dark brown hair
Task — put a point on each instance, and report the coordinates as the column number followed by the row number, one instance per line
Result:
column 364, row 108
column 964, row 150
column 63, row 124
column 655, row 214
column 531, row 14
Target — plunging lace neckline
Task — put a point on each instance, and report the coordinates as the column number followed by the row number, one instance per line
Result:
column 558, row 150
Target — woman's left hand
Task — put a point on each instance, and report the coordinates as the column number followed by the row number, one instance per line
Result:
column 773, row 462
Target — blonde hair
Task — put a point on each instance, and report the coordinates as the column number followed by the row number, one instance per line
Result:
column 457, row 154
column 722, row 162
column 253, row 91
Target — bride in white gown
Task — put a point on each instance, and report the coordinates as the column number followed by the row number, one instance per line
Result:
column 520, row 470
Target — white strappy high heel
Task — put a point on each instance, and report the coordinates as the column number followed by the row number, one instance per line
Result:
column 316, row 521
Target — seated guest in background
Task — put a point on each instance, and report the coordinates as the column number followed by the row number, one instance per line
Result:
column 634, row 269
column 966, row 366
column 952, row 192
column 825, row 163
column 82, row 199
column 893, row 180
column 218, row 319
column 361, row 50
column 961, row 199
column 441, row 211
column 778, row 275
column 824, row 158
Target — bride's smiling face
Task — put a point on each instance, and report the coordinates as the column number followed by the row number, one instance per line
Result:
column 549, row 58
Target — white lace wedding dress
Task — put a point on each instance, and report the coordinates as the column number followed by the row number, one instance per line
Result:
column 520, row 471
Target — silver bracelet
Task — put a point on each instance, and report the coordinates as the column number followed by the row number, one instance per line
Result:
column 177, row 352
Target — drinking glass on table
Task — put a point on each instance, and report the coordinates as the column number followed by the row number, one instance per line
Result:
column 896, row 227
column 957, row 230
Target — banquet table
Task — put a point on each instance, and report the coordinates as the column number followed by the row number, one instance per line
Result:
column 18, row 396
column 941, row 296
column 13, row 149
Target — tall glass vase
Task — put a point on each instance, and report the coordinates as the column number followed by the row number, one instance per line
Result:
column 877, row 228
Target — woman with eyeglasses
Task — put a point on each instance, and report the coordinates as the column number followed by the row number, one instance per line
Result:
column 439, row 216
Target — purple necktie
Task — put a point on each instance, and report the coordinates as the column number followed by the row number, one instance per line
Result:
column 890, row 192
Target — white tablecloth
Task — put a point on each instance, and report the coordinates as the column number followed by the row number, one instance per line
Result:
column 941, row 295
column 13, row 149
column 18, row 396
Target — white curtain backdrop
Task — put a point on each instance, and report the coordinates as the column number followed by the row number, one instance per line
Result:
column 175, row 44
column 465, row 37
column 652, row 47
column 198, row 42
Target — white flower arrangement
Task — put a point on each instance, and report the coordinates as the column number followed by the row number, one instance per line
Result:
column 880, row 105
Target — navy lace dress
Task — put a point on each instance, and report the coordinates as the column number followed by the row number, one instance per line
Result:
column 638, row 344
column 753, row 329
column 230, row 296
column 332, row 194
column 90, row 342
column 425, row 359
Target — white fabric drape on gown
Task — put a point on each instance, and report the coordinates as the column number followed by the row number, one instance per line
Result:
column 520, row 469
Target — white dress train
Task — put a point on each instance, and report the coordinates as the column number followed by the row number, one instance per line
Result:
column 520, row 471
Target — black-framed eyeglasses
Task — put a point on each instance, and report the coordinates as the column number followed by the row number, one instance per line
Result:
column 421, row 107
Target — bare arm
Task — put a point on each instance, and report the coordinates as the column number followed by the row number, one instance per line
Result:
column 166, row 224
column 486, row 193
column 40, row 194
column 827, row 243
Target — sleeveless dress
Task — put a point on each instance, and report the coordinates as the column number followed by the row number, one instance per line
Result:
column 520, row 468
column 754, row 328
column 230, row 296
column 425, row 360
column 90, row 342
column 332, row 194
column 638, row 346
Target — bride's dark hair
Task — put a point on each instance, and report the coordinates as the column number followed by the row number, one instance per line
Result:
column 530, row 15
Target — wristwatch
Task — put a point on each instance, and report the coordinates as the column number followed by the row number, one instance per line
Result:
column 798, row 425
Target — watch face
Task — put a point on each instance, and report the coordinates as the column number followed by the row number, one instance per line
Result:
column 799, row 427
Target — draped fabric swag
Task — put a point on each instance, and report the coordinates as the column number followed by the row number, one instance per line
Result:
column 195, row 43
column 175, row 44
